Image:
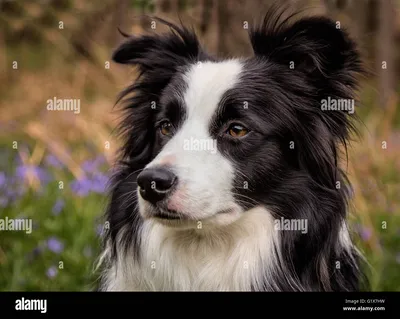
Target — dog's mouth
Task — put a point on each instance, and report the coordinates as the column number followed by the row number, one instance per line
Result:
column 184, row 220
column 167, row 215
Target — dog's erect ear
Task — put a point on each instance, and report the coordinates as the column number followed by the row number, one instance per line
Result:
column 159, row 51
column 326, row 61
column 314, row 45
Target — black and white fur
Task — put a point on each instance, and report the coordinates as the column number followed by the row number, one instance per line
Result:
column 226, row 202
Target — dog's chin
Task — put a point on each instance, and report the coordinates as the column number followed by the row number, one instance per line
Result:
column 181, row 220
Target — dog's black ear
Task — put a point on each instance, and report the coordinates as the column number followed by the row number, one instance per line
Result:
column 313, row 45
column 159, row 51
column 326, row 62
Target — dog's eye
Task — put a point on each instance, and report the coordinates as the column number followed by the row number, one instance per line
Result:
column 166, row 128
column 237, row 130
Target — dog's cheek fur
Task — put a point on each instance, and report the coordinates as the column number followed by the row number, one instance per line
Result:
column 260, row 171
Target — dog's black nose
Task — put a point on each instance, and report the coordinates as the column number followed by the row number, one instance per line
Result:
column 155, row 183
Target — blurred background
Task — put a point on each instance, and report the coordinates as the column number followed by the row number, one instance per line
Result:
column 54, row 164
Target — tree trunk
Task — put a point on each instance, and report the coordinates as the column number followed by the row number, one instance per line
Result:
column 223, row 16
column 385, row 48
column 119, row 21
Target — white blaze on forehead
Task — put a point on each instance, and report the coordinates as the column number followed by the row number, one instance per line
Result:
column 206, row 84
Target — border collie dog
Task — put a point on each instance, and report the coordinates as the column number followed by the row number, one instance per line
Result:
column 228, row 177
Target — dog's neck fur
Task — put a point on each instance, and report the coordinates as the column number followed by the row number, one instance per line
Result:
column 243, row 256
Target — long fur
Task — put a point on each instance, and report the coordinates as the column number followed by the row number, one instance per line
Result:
column 301, row 182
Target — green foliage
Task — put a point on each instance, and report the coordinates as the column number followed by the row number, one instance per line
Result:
column 60, row 251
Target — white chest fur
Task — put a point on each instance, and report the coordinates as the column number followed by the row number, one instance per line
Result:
column 231, row 259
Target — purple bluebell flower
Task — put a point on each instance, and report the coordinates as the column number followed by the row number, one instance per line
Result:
column 11, row 194
column 99, row 183
column 18, row 159
column 100, row 159
column 365, row 233
column 91, row 166
column 3, row 179
column 15, row 187
column 51, row 272
column 3, row 201
column 58, row 207
column 53, row 161
column 81, row 187
column 55, row 245
column 22, row 171
column 100, row 230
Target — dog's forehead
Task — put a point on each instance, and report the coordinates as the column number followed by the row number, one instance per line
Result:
column 206, row 83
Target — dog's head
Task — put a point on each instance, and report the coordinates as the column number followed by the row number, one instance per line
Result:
column 207, row 139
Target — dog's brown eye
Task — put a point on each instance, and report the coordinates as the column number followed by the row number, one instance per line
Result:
column 166, row 128
column 237, row 130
